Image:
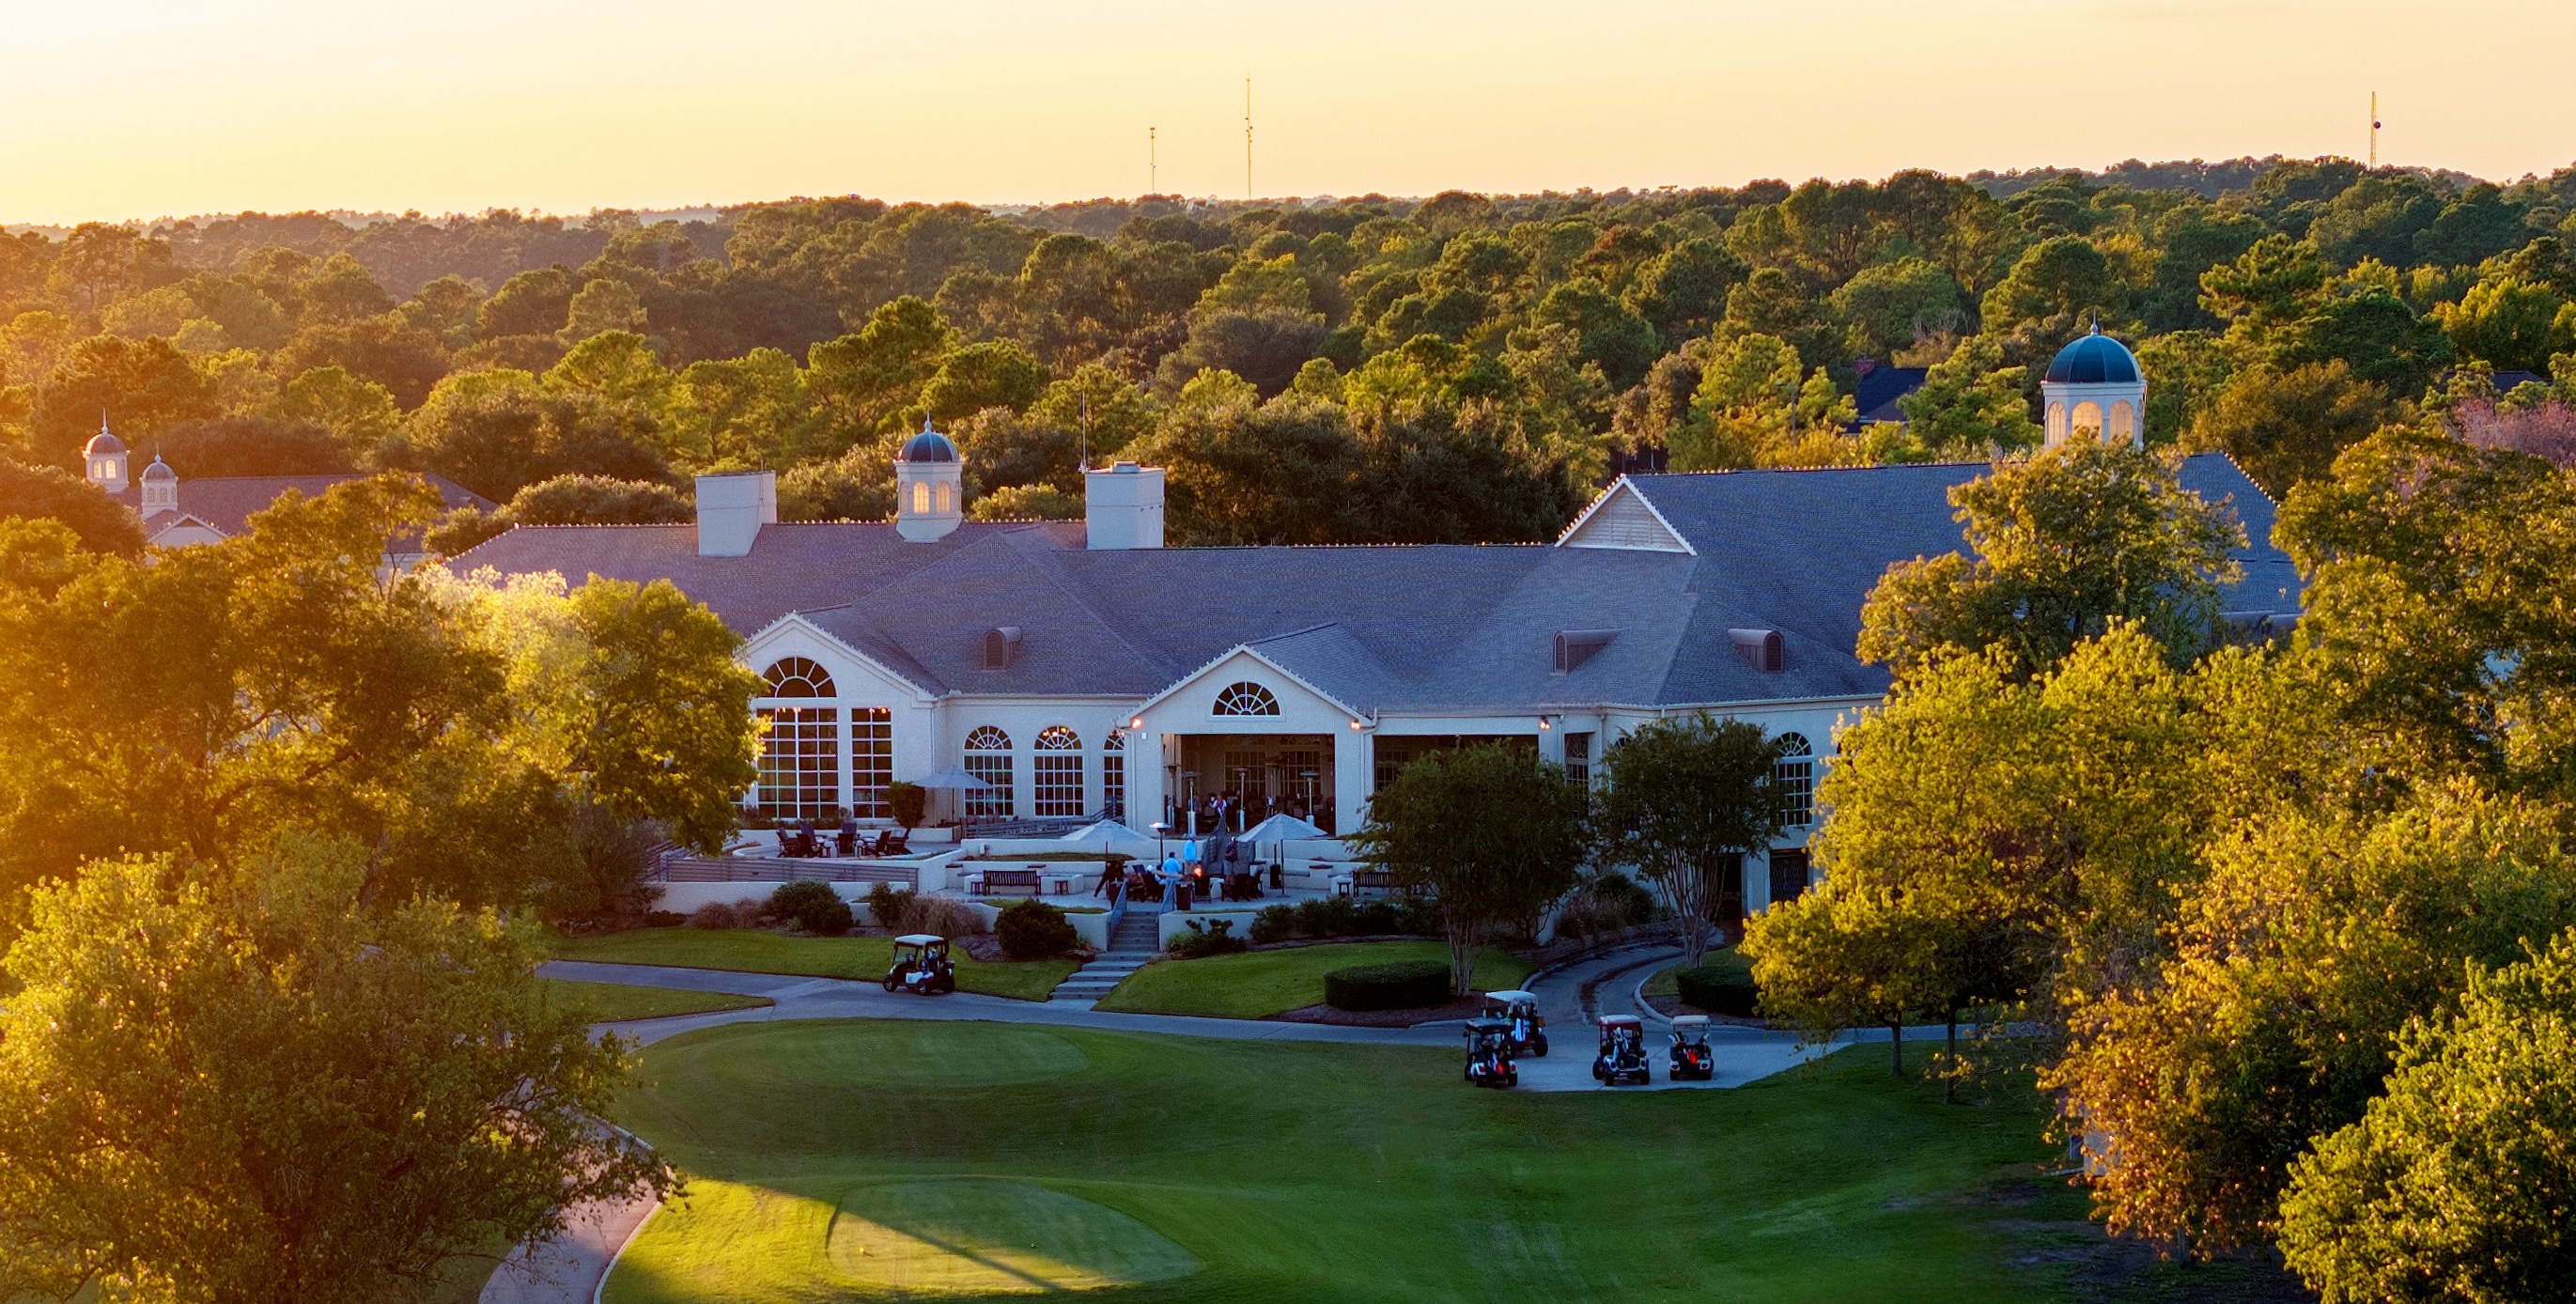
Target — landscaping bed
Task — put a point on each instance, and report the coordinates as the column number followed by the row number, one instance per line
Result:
column 756, row 950
column 1276, row 980
column 1663, row 991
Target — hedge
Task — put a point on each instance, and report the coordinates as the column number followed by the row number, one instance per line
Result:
column 1403, row 985
column 812, row 906
column 1034, row 930
column 1718, row 990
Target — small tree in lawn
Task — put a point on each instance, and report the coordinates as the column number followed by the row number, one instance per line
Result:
column 1492, row 832
column 907, row 802
column 1681, row 796
column 1845, row 956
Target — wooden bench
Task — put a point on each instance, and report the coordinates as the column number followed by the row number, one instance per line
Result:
column 997, row 882
column 1365, row 881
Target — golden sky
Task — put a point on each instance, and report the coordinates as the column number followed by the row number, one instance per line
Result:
column 143, row 108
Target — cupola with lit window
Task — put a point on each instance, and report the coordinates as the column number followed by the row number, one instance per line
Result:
column 929, row 489
column 2095, row 384
column 103, row 460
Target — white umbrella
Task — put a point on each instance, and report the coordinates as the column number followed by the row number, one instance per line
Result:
column 1112, row 838
column 952, row 777
column 1280, row 829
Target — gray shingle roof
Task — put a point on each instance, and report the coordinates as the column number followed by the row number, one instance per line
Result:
column 1420, row 628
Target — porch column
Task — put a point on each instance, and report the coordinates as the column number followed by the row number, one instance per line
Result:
column 1354, row 777
column 1144, row 780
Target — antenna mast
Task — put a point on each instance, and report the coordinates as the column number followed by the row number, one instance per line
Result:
column 1153, row 165
column 1247, row 138
column 2374, row 129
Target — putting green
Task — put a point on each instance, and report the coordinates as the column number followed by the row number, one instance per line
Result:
column 983, row 1237
column 909, row 1055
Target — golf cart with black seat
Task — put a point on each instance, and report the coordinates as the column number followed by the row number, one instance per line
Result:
column 1520, row 1009
column 1622, row 1061
column 1489, row 1054
column 921, row 966
column 1692, row 1061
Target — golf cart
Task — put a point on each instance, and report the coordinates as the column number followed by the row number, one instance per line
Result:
column 1520, row 1009
column 921, row 966
column 1622, row 1061
column 1691, row 1059
column 1489, row 1054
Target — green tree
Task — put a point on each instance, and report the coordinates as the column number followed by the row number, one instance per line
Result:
column 599, row 500
column 2510, row 325
column 2085, row 534
column 2456, row 1184
column 98, row 522
column 978, row 376
column 360, row 414
column 1842, row 958
column 1890, row 306
column 1493, row 834
column 601, row 305
column 140, row 387
column 864, row 380
column 1685, row 800
column 240, row 1085
column 1971, row 406
column 2286, row 427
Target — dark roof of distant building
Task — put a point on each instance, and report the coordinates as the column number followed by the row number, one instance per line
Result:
column 2094, row 359
column 1397, row 628
column 1879, row 390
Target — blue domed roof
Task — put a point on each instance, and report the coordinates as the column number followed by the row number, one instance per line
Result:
column 102, row 443
column 928, row 446
column 2094, row 359
column 159, row 470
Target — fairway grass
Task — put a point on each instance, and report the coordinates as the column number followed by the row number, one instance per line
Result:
column 756, row 950
column 1175, row 1168
column 1261, row 983
column 620, row 1002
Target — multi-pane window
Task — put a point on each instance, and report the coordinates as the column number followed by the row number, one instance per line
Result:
column 1578, row 759
column 988, row 757
column 1788, row 875
column 1246, row 699
column 1113, row 775
column 800, row 762
column 1057, row 769
column 1795, row 779
column 871, row 761
column 798, row 677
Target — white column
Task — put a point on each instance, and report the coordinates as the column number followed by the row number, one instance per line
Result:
column 1144, row 780
column 1354, row 775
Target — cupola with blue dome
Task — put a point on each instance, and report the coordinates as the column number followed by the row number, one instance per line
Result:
column 929, row 487
column 2095, row 384
column 103, row 460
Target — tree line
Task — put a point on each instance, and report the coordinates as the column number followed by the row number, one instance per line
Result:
column 1462, row 368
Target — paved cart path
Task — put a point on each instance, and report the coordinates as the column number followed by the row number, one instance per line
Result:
column 573, row 1270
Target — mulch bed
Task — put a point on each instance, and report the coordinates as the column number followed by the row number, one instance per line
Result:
column 1466, row 1008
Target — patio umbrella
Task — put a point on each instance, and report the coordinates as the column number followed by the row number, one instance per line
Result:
column 1112, row 838
column 1280, row 829
column 952, row 777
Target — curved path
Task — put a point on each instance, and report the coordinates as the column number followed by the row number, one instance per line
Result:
column 575, row 1269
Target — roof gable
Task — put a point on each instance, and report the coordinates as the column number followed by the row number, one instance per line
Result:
column 1623, row 518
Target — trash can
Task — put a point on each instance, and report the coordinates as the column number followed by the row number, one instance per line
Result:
column 1184, row 890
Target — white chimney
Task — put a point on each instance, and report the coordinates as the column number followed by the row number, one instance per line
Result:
column 732, row 506
column 1122, row 507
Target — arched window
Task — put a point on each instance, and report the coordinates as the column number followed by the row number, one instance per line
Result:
column 798, row 677
column 2056, row 422
column 920, row 496
column 988, row 757
column 1057, row 769
column 1113, row 775
column 2088, row 416
column 946, row 503
column 2124, row 420
column 1795, row 777
column 1246, row 698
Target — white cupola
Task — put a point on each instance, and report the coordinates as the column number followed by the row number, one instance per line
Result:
column 160, row 488
column 929, row 489
column 2095, row 383
column 103, row 460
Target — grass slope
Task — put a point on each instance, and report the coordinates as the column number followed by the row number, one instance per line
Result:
column 838, row 1161
column 1259, row 983
column 618, row 1002
column 753, row 950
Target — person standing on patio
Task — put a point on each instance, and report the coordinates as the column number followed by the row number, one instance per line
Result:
column 1109, row 877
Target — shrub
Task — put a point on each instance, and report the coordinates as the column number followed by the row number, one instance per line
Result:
column 942, row 916
column 714, row 914
column 1034, row 930
column 906, row 802
column 664, row 919
column 1404, row 985
column 1343, row 917
column 1719, row 990
column 814, row 907
column 1215, row 938
column 1274, row 924
column 888, row 904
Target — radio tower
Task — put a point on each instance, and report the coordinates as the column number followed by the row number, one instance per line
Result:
column 1153, row 165
column 1247, row 137
column 2374, row 129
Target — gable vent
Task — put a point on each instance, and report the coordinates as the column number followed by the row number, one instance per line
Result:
column 1001, row 647
column 1760, row 648
column 1576, row 646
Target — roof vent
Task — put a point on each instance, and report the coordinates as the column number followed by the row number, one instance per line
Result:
column 1576, row 646
column 1001, row 647
column 1760, row 648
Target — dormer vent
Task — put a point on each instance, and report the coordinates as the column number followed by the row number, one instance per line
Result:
column 1001, row 647
column 1760, row 648
column 1576, row 646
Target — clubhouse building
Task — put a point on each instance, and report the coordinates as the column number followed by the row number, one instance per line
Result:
column 1082, row 669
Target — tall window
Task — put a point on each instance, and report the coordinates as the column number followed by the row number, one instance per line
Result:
column 871, row 761
column 1795, row 777
column 800, row 746
column 1057, row 770
column 1578, row 759
column 1246, row 699
column 1113, row 775
column 920, row 497
column 1788, row 875
column 988, row 757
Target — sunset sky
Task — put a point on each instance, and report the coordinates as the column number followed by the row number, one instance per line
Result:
column 132, row 109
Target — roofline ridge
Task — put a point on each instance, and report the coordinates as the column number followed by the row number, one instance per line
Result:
column 1044, row 563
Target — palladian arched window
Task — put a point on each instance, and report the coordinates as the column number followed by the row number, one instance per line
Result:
column 1246, row 698
column 1795, row 778
column 988, row 757
column 800, row 746
column 1057, row 769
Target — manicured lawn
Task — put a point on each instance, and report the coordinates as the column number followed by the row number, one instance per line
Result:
column 1260, row 983
column 618, row 1002
column 873, row 1160
column 753, row 950
column 1663, row 984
